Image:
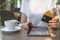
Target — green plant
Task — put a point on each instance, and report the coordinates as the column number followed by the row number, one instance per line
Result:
column 10, row 1
column 4, row 3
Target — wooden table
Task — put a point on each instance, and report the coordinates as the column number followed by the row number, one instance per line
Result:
column 21, row 35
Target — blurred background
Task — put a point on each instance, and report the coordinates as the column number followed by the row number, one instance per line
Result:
column 9, row 9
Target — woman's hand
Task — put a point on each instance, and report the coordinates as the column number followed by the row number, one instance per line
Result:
column 54, row 22
column 27, row 25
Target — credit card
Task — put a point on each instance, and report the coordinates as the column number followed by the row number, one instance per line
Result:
column 47, row 16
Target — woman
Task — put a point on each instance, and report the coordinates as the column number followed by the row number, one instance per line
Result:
column 33, row 11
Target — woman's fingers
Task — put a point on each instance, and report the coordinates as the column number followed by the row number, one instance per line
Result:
column 54, row 22
column 55, row 19
column 26, row 27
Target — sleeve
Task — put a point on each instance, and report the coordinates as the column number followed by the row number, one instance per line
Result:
column 52, row 4
column 23, row 6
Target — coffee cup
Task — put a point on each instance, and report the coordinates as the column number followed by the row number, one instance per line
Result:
column 10, row 24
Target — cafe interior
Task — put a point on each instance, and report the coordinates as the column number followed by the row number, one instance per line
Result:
column 11, row 26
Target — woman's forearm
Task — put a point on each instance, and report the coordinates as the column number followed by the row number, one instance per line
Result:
column 23, row 18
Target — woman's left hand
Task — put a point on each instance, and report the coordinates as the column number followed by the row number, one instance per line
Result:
column 54, row 22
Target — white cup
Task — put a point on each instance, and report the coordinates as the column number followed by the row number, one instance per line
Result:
column 10, row 24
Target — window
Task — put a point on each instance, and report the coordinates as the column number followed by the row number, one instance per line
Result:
column 17, row 3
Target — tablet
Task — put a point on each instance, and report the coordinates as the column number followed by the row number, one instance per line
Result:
column 39, row 31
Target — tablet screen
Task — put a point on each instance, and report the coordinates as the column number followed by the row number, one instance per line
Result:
column 39, row 31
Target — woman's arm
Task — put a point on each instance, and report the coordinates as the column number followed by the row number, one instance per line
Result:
column 23, row 18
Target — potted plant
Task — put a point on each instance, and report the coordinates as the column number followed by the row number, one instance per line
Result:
column 6, row 3
column 4, row 14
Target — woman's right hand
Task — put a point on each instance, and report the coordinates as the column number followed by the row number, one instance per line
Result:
column 27, row 25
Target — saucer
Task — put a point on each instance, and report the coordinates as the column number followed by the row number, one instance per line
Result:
column 17, row 28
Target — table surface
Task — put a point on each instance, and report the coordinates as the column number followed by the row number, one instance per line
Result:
column 21, row 35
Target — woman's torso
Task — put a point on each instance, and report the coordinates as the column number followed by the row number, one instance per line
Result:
column 34, row 14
